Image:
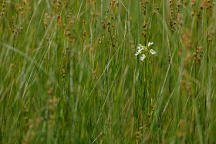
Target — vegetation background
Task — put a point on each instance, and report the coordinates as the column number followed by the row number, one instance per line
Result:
column 68, row 73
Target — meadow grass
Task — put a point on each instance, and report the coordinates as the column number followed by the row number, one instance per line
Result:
column 68, row 73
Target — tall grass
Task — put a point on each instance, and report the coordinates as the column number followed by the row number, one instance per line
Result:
column 68, row 73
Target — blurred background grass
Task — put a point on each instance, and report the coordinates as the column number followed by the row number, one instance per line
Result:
column 68, row 73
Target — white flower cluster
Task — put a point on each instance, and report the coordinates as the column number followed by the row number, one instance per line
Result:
column 144, row 51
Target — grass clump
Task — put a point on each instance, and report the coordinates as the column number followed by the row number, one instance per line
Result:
column 69, row 74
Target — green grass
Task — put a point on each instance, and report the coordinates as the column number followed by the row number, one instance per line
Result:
column 68, row 73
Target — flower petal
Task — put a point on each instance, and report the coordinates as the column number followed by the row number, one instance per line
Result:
column 150, row 44
column 153, row 52
column 139, row 47
column 136, row 54
column 143, row 56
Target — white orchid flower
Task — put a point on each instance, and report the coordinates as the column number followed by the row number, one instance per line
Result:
column 150, row 44
column 143, row 56
column 143, row 51
column 153, row 52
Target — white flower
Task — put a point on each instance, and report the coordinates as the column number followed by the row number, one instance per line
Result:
column 153, row 52
column 142, row 52
column 138, row 52
column 150, row 44
column 139, row 47
column 143, row 56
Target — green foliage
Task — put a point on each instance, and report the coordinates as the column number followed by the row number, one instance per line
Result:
column 68, row 73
